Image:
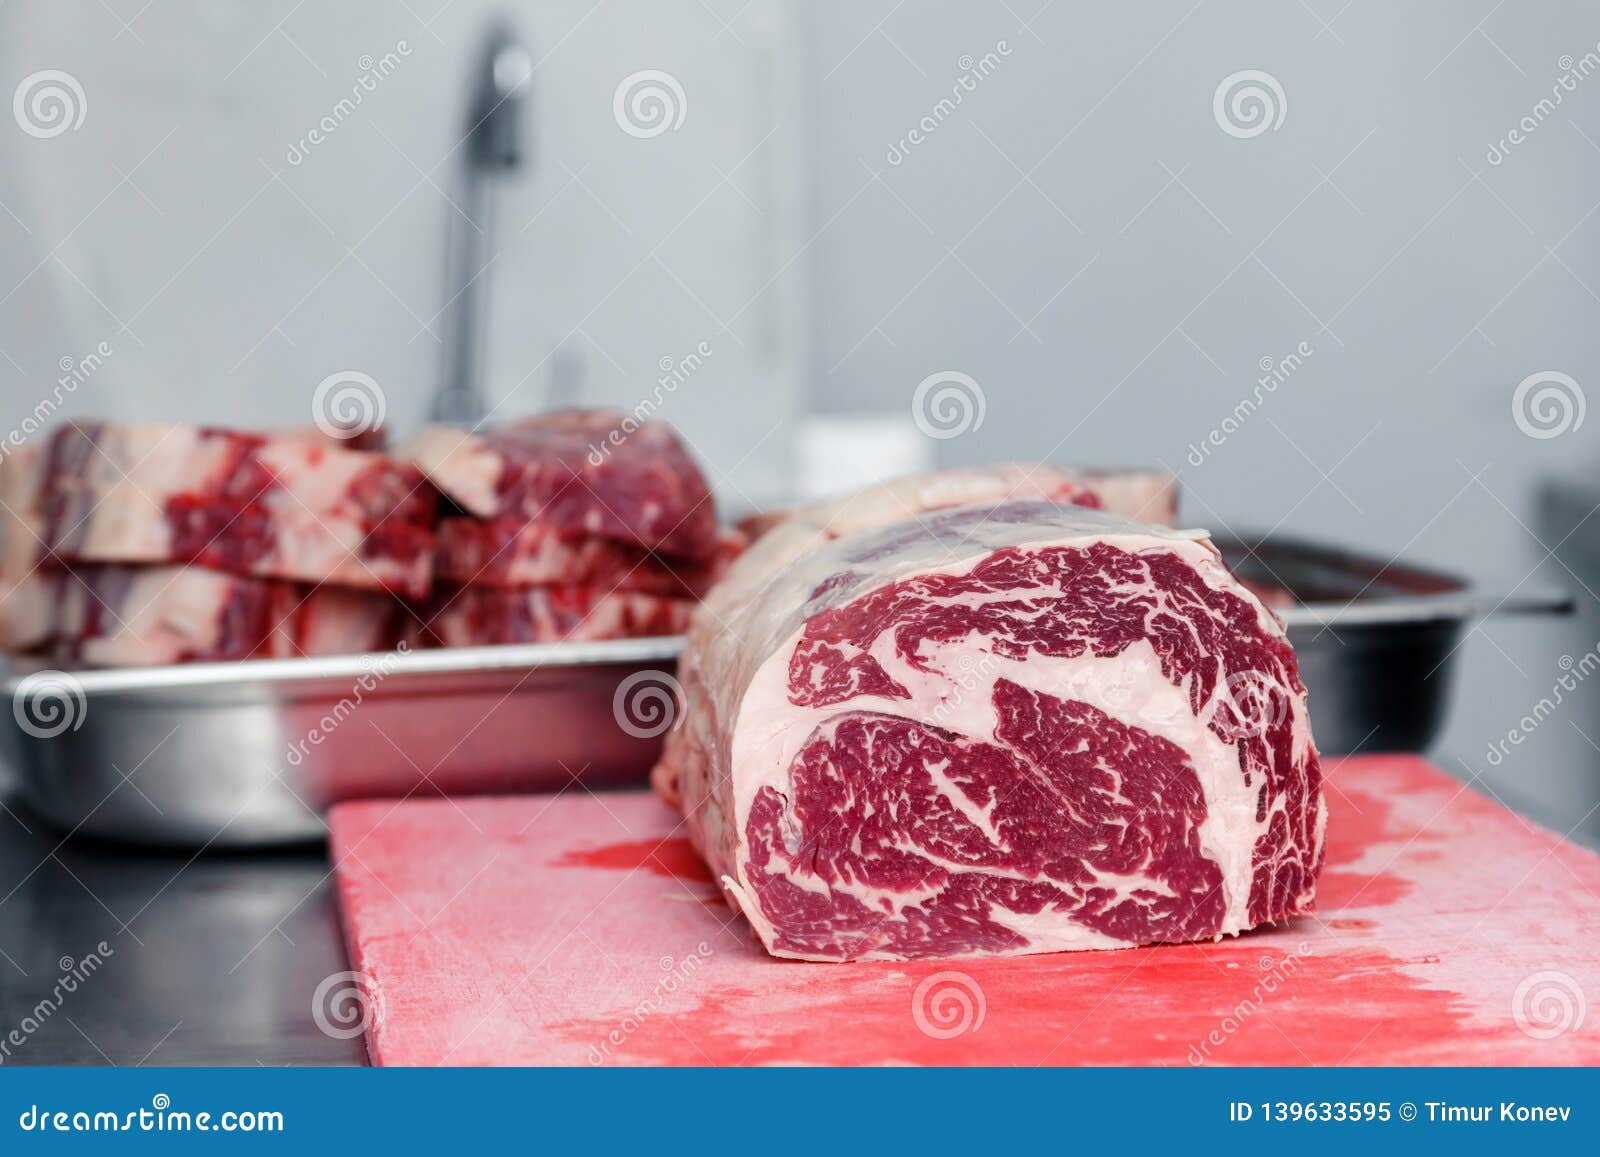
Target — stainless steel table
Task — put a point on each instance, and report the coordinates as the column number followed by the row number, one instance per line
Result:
column 213, row 959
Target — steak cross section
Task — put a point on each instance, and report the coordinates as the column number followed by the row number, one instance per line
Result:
column 996, row 729
column 1047, row 824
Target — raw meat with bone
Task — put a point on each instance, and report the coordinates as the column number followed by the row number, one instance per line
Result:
column 995, row 729
column 116, row 615
column 287, row 508
column 575, row 470
column 480, row 616
column 109, row 615
column 507, row 552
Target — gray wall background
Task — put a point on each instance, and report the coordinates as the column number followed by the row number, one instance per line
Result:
column 1079, row 236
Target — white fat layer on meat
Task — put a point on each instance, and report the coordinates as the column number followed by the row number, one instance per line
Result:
column 120, row 523
column 462, row 465
column 117, row 513
column 1147, row 495
column 769, row 730
column 339, row 621
column 164, row 612
column 125, row 525
column 320, row 478
column 1054, row 931
column 164, row 458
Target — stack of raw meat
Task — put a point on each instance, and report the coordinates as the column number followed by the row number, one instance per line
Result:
column 139, row 544
column 147, row 543
column 144, row 544
column 573, row 525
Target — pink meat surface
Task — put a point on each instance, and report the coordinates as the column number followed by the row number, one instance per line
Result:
column 591, row 472
column 478, row 616
column 505, row 552
column 287, row 508
column 990, row 730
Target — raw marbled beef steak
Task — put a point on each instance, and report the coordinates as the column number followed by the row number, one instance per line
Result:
column 994, row 729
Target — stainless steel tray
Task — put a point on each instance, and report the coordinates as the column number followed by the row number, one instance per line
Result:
column 1376, row 639
column 252, row 753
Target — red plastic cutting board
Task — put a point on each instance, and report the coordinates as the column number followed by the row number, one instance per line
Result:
column 581, row 929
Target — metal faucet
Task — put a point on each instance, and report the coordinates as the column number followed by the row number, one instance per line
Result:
column 494, row 148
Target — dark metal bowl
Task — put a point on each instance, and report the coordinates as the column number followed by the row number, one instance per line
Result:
column 1376, row 638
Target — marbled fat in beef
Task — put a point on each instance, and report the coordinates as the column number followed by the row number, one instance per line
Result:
column 1004, row 728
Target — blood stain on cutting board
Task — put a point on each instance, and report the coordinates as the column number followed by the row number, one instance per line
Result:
column 1435, row 905
column 1366, row 824
column 672, row 856
column 1144, row 1006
